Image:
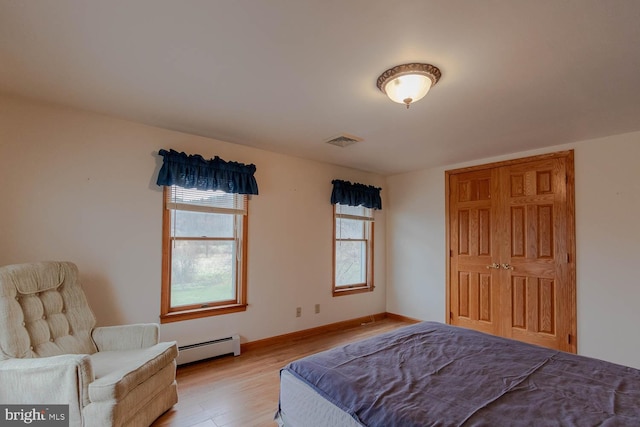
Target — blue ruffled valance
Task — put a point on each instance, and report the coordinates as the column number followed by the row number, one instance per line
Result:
column 193, row 171
column 346, row 193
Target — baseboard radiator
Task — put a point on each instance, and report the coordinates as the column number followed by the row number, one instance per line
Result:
column 208, row 349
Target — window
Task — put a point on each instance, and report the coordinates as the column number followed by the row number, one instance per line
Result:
column 353, row 249
column 204, row 253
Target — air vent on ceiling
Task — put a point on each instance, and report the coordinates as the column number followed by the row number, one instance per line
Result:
column 343, row 140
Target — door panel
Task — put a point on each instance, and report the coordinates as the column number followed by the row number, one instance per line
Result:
column 537, row 251
column 533, row 305
column 472, row 293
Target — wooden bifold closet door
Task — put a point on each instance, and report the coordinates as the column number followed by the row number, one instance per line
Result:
column 511, row 243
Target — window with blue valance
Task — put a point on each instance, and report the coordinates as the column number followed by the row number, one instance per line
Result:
column 354, row 194
column 193, row 171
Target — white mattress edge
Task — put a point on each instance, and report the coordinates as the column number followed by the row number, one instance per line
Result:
column 302, row 406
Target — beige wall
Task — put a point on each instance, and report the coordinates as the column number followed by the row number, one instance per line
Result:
column 607, row 238
column 81, row 187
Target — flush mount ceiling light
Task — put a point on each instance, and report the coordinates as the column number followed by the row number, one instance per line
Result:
column 408, row 83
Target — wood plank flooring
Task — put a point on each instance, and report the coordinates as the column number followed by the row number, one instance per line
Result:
column 243, row 391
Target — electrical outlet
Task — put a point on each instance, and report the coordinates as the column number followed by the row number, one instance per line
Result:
column 298, row 311
column 317, row 308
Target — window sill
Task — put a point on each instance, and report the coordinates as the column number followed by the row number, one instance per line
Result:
column 352, row 290
column 177, row 316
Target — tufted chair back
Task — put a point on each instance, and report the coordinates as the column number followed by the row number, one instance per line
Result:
column 43, row 311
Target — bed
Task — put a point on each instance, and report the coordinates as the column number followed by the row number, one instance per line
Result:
column 432, row 374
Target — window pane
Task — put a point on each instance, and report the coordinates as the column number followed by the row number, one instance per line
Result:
column 354, row 210
column 202, row 272
column 201, row 224
column 351, row 263
column 349, row 229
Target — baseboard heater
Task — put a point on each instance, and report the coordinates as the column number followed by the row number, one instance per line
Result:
column 208, row 349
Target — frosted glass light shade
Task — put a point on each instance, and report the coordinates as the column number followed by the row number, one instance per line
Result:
column 408, row 88
column 408, row 83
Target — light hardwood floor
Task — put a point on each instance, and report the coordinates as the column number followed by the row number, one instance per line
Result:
column 243, row 390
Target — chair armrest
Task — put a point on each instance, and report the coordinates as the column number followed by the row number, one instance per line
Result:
column 47, row 380
column 126, row 337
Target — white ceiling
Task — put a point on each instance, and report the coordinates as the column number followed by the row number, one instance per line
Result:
column 286, row 75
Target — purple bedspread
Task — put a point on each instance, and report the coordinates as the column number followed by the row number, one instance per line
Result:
column 431, row 374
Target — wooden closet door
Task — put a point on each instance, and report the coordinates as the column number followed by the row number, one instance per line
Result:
column 537, row 293
column 519, row 216
column 474, row 292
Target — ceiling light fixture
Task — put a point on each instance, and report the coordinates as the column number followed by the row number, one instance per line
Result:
column 408, row 83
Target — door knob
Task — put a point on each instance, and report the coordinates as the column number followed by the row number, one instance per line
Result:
column 494, row 265
column 507, row 266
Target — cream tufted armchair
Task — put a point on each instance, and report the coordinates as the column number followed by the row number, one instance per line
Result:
column 52, row 353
